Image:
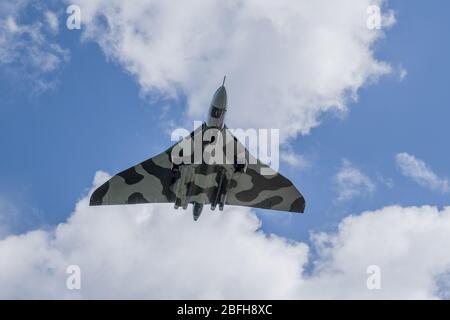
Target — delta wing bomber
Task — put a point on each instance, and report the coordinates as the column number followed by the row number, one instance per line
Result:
column 208, row 167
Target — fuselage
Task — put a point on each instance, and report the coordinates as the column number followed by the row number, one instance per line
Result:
column 215, row 119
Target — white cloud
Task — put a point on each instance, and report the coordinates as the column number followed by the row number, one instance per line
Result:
column 293, row 159
column 26, row 49
column 388, row 182
column 8, row 212
column 402, row 74
column 153, row 251
column 52, row 20
column 418, row 170
column 16, row 219
column 408, row 244
column 286, row 62
column 351, row 182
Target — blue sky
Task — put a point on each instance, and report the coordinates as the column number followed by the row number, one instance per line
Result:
column 373, row 167
column 389, row 117
column 95, row 118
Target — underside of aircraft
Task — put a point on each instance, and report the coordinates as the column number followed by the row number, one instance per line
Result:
column 179, row 176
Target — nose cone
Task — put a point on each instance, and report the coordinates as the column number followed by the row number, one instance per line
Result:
column 220, row 98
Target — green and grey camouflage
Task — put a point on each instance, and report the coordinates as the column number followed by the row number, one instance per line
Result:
column 239, row 179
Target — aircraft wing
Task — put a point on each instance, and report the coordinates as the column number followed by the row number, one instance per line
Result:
column 268, row 191
column 153, row 181
column 146, row 182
